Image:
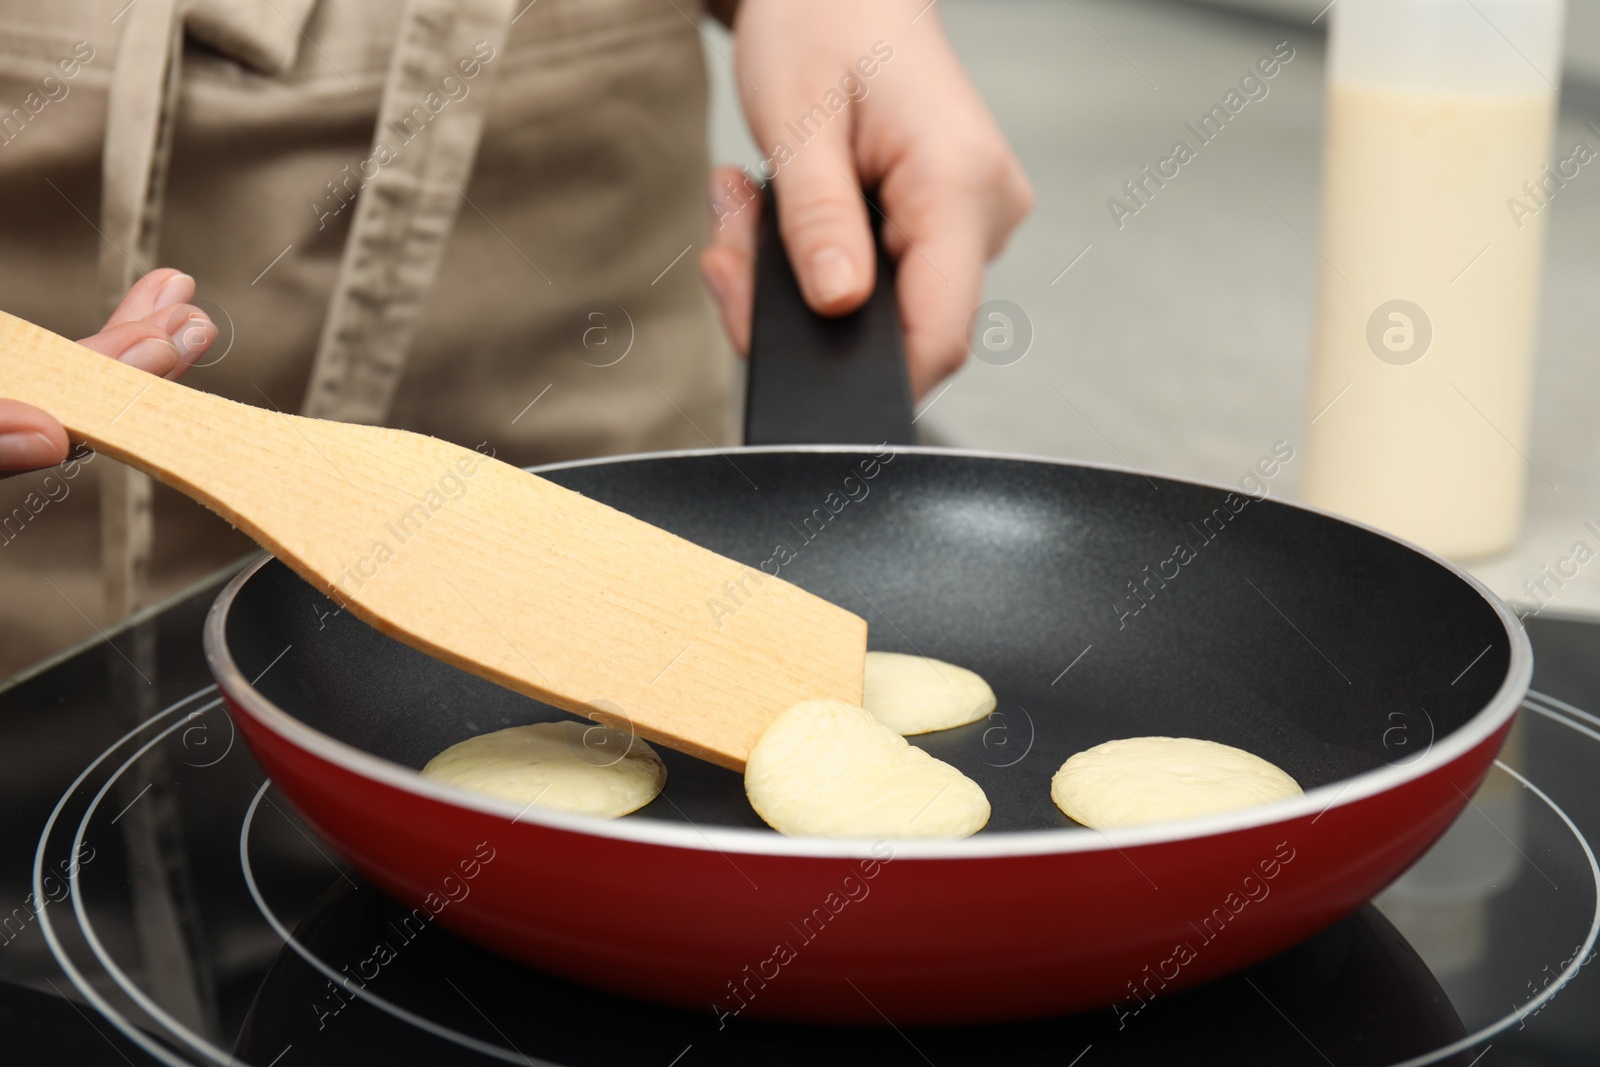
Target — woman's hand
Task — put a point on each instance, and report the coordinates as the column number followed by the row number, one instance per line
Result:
column 850, row 95
column 154, row 329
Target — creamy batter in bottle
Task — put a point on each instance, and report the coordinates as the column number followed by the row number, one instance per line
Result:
column 1437, row 178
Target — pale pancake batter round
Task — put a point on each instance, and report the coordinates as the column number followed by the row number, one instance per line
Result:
column 917, row 695
column 567, row 766
column 1139, row 780
column 825, row 768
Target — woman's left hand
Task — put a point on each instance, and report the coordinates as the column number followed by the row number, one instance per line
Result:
column 850, row 95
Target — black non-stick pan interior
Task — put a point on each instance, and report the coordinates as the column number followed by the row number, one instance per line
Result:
column 1098, row 603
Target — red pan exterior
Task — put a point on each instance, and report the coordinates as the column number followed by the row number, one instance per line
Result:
column 908, row 940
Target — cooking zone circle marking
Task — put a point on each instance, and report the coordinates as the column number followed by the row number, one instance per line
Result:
column 217, row 1055
column 173, row 1026
column 1567, row 973
column 497, row 1051
column 87, row 928
column 47, row 927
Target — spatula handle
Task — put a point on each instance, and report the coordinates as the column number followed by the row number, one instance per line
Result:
column 816, row 380
column 182, row 436
column 83, row 389
column 89, row 393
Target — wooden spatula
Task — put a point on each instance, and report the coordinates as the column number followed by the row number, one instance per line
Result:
column 469, row 559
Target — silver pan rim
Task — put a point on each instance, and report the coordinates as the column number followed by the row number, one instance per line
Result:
column 1314, row 803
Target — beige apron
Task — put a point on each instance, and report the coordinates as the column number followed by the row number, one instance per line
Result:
column 473, row 218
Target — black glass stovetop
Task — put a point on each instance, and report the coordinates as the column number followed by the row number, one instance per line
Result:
column 160, row 903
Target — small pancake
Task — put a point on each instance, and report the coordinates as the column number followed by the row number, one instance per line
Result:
column 825, row 768
column 917, row 695
column 567, row 766
column 1160, row 779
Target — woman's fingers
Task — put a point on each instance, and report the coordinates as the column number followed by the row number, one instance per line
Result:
column 824, row 223
column 940, row 281
column 728, row 264
column 162, row 288
column 140, row 344
column 165, row 343
column 192, row 331
column 154, row 329
column 29, row 438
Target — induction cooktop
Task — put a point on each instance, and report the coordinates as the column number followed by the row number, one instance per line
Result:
column 161, row 903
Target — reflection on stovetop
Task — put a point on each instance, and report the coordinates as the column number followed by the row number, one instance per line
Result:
column 129, row 933
column 1357, row 992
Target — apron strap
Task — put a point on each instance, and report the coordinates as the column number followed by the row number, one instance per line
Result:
column 423, row 151
column 140, row 110
column 423, row 160
column 141, row 106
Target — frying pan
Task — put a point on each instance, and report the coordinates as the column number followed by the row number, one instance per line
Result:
column 1381, row 677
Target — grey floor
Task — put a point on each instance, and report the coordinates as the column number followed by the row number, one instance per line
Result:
column 1181, row 342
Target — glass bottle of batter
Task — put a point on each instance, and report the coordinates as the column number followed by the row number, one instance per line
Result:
column 1437, row 180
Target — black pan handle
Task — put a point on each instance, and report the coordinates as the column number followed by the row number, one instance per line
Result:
column 816, row 380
